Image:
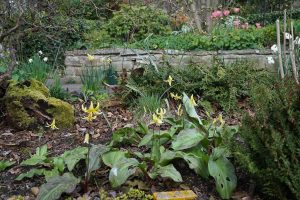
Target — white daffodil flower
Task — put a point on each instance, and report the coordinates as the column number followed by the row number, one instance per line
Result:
column 271, row 60
column 45, row 59
column 274, row 48
column 40, row 52
column 30, row 60
column 288, row 36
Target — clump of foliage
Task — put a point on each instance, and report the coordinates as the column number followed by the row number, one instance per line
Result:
column 220, row 84
column 269, row 146
column 130, row 23
column 56, row 89
column 132, row 194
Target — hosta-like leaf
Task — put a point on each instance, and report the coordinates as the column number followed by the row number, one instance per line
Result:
column 94, row 156
column 30, row 174
column 198, row 163
column 112, row 157
column 146, row 139
column 122, row 170
column 187, row 138
column 57, row 185
column 223, row 172
column 58, row 163
column 169, row 171
column 50, row 173
column 192, row 114
column 72, row 157
column 166, row 156
column 34, row 160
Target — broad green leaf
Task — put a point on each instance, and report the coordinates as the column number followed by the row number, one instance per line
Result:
column 223, row 172
column 50, row 173
column 72, row 157
column 39, row 157
column 124, row 136
column 187, row 138
column 5, row 164
column 192, row 114
column 34, row 160
column 198, row 163
column 142, row 128
column 58, row 185
column 122, row 170
column 166, row 156
column 94, row 156
column 169, row 171
column 146, row 139
column 58, row 163
column 112, row 157
column 155, row 151
column 30, row 174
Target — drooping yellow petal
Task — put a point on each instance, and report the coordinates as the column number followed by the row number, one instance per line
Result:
column 175, row 96
column 156, row 120
column 169, row 80
column 86, row 138
column 91, row 109
column 161, row 112
column 90, row 57
column 89, row 117
column 192, row 100
column 52, row 125
column 179, row 110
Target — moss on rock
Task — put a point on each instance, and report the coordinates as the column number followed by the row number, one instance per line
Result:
column 28, row 105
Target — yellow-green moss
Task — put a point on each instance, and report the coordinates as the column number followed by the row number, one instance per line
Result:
column 62, row 111
column 38, row 97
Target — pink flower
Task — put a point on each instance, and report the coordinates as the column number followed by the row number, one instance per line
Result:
column 226, row 12
column 243, row 26
column 236, row 23
column 216, row 14
column 236, row 10
column 258, row 25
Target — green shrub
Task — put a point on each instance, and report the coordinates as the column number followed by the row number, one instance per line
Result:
column 130, row 23
column 270, row 140
column 56, row 89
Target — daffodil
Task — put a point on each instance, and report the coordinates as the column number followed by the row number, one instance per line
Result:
column 219, row 119
column 156, row 120
column 175, row 96
column 86, row 138
column 192, row 100
column 90, row 57
column 90, row 117
column 91, row 109
column 179, row 110
column 169, row 80
column 52, row 125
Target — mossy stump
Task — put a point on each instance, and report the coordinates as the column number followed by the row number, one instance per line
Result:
column 29, row 105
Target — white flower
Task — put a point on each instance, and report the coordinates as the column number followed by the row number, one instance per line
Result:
column 30, row 60
column 40, row 52
column 17, row 63
column 297, row 41
column 288, row 36
column 45, row 59
column 271, row 60
column 274, row 48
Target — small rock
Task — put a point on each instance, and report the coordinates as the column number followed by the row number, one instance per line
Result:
column 35, row 191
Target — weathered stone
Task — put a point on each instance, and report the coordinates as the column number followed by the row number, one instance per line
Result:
column 29, row 104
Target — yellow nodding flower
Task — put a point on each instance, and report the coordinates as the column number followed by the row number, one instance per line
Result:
column 91, row 109
column 161, row 112
column 169, row 80
column 175, row 96
column 219, row 119
column 156, row 120
column 90, row 57
column 192, row 100
column 86, row 138
column 179, row 110
column 90, row 117
column 52, row 125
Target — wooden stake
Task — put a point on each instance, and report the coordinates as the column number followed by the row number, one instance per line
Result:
column 292, row 54
column 279, row 49
column 284, row 42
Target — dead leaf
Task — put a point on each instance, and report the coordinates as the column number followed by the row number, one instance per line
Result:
column 14, row 170
column 35, row 191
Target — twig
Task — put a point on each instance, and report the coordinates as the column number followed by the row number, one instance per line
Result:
column 292, row 53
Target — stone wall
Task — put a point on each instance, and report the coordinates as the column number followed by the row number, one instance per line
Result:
column 129, row 59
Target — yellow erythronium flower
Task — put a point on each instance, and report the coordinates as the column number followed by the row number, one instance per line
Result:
column 156, row 120
column 175, row 96
column 219, row 119
column 52, row 125
column 169, row 80
column 86, row 138
column 161, row 112
column 91, row 109
column 179, row 110
column 90, row 57
column 90, row 117
column 192, row 100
